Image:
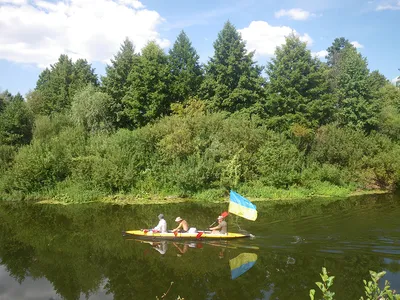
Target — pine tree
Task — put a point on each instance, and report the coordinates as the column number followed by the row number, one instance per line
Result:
column 148, row 97
column 232, row 82
column 115, row 83
column 185, row 69
column 297, row 87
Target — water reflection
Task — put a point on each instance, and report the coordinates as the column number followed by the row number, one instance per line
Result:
column 77, row 252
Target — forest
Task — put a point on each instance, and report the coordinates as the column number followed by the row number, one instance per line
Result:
column 162, row 124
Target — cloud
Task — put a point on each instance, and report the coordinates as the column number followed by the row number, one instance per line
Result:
column 294, row 13
column 15, row 2
column 39, row 31
column 320, row 54
column 264, row 38
column 357, row 45
column 389, row 5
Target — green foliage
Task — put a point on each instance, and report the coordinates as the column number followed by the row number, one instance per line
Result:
column 47, row 127
column 148, row 97
column 372, row 290
column 93, row 110
column 312, row 129
column 334, row 51
column 185, row 69
column 279, row 162
column 116, row 83
column 389, row 117
column 16, row 122
column 56, row 86
column 327, row 282
column 232, row 82
column 42, row 164
column 355, row 105
column 297, row 86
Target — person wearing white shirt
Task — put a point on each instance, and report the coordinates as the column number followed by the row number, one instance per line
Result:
column 162, row 224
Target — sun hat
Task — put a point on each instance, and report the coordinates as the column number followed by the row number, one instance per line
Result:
column 161, row 216
column 178, row 219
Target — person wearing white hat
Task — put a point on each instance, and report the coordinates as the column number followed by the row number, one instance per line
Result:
column 182, row 227
column 221, row 228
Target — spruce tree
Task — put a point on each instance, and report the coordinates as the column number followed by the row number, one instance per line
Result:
column 356, row 106
column 297, row 87
column 335, row 49
column 232, row 82
column 56, row 86
column 115, row 83
column 148, row 97
column 185, row 69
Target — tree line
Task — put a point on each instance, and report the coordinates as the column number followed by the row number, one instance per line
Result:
column 165, row 123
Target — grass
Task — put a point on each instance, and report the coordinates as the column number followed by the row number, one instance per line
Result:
column 75, row 193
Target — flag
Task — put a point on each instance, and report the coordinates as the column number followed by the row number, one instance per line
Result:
column 241, row 264
column 242, row 207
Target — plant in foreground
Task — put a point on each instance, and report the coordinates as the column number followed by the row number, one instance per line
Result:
column 372, row 290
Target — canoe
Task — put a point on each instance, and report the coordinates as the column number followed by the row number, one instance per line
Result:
column 170, row 235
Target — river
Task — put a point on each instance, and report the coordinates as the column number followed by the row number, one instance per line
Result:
column 78, row 251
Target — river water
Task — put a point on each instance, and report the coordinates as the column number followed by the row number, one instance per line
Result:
column 78, row 251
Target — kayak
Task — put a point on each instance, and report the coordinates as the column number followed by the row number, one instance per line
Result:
column 197, row 235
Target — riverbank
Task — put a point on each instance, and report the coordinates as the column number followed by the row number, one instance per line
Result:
column 209, row 196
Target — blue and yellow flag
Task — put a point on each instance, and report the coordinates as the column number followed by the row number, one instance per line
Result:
column 242, row 207
column 241, row 264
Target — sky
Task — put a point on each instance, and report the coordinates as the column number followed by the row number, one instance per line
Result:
column 34, row 33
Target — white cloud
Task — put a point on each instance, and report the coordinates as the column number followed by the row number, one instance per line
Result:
column 357, row 45
column 320, row 54
column 294, row 13
column 15, row 2
column 40, row 31
column 389, row 5
column 264, row 38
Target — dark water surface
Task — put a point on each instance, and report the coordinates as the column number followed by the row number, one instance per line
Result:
column 78, row 252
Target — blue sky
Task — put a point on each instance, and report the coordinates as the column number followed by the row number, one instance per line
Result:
column 33, row 33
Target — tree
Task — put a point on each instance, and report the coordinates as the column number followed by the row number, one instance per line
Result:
column 185, row 69
column 16, row 123
column 57, row 85
column 232, row 82
column 83, row 74
column 92, row 110
column 115, row 83
column 389, row 118
column 148, row 97
column 5, row 97
column 335, row 49
column 297, row 87
column 356, row 106
column 376, row 81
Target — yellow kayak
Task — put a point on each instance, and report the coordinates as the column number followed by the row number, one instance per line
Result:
column 196, row 235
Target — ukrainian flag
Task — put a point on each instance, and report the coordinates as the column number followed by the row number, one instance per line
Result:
column 242, row 207
column 241, row 264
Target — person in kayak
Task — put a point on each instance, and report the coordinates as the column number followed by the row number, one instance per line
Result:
column 182, row 227
column 221, row 228
column 162, row 224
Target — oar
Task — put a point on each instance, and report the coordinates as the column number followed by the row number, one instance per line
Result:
column 224, row 214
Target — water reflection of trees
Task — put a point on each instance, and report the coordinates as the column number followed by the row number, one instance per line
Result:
column 77, row 248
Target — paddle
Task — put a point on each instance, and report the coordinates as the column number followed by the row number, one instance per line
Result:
column 224, row 214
